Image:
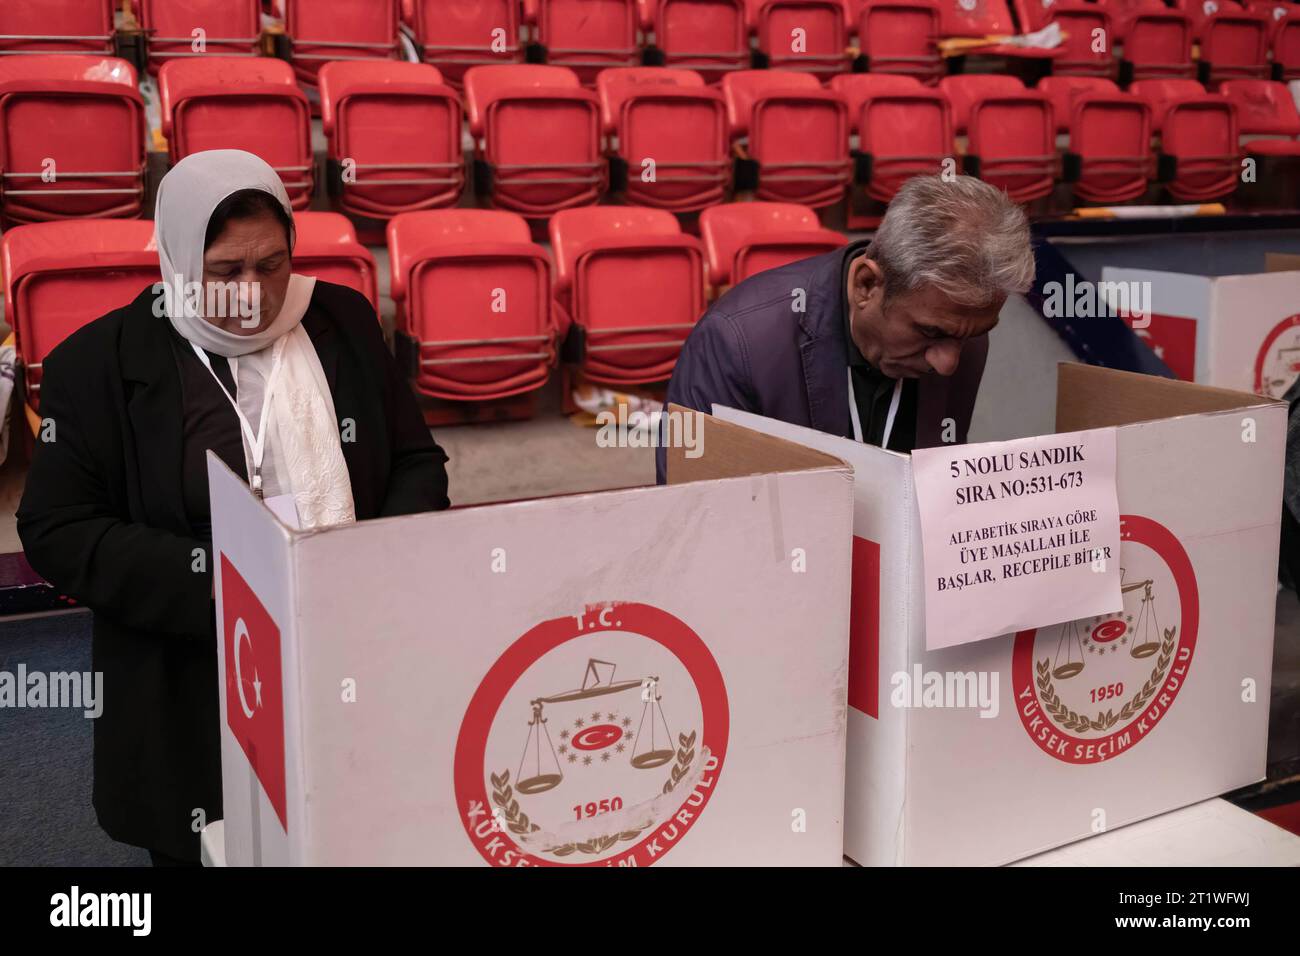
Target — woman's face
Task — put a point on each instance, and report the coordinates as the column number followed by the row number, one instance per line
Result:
column 246, row 273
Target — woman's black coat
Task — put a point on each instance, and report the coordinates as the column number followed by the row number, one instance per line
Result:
column 103, row 519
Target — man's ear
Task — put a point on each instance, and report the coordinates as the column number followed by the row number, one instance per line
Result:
column 865, row 276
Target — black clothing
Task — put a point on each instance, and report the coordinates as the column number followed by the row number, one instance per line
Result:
column 104, row 518
column 209, row 422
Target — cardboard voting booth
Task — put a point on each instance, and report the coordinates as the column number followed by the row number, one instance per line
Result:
column 995, row 750
column 602, row 679
column 1240, row 332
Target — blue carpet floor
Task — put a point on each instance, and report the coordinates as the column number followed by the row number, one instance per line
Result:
column 45, row 758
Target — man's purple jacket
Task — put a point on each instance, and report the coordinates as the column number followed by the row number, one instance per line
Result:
column 753, row 351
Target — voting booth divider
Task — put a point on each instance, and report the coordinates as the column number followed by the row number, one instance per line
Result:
column 1239, row 331
column 614, row 679
column 994, row 750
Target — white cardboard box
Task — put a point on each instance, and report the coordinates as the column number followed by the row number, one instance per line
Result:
column 1240, row 332
column 1211, row 833
column 1200, row 508
column 600, row 679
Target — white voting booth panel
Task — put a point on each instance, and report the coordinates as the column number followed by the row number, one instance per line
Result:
column 1240, row 332
column 1095, row 723
column 1211, row 833
column 601, row 679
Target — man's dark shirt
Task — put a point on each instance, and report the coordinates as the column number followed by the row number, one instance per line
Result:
column 872, row 389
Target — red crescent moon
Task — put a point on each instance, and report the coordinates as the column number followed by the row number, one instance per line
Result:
column 1107, row 631
column 597, row 737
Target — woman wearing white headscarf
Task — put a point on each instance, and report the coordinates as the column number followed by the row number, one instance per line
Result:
column 271, row 370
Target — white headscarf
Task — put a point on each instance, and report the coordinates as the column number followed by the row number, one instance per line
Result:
column 303, row 453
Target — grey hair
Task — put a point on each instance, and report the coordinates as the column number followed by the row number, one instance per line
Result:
column 963, row 237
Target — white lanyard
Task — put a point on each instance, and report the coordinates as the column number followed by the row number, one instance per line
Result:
column 256, row 442
column 889, row 419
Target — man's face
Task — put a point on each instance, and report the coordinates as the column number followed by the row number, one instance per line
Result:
column 253, row 254
column 914, row 333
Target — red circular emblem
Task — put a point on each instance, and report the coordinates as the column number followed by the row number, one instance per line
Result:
column 1088, row 700
column 609, row 774
column 1278, row 361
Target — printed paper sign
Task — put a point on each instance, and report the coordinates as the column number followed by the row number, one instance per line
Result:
column 1017, row 534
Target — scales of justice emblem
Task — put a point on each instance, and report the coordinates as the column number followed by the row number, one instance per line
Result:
column 586, row 743
column 542, row 769
column 1101, row 683
column 1278, row 361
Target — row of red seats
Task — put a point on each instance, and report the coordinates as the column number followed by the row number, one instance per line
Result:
column 711, row 36
column 542, row 143
column 481, row 314
column 821, row 36
column 321, row 30
column 905, row 129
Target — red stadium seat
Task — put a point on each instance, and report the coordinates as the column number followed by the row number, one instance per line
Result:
column 455, row 35
column 250, row 104
column 72, row 138
column 324, row 30
column 1123, row 12
column 856, row 88
column 797, row 132
column 1286, row 48
column 229, row 28
column 1198, row 145
column 326, row 247
column 537, row 133
column 901, row 36
column 902, row 135
column 1265, row 108
column 807, row 35
column 1234, row 46
column 670, row 117
column 742, row 239
column 1199, row 12
column 1157, row 44
column 59, row 276
column 1083, row 24
column 708, row 36
column 399, row 127
column 588, row 36
column 634, row 285
column 1013, row 144
column 1275, row 10
column 56, row 26
column 1109, row 157
column 965, row 88
column 473, row 295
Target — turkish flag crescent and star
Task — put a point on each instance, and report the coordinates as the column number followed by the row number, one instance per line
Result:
column 254, row 698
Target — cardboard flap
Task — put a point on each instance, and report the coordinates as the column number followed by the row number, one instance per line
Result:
column 1088, row 396
column 1281, row 262
column 726, row 450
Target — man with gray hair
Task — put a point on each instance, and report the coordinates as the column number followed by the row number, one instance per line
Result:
column 883, row 340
